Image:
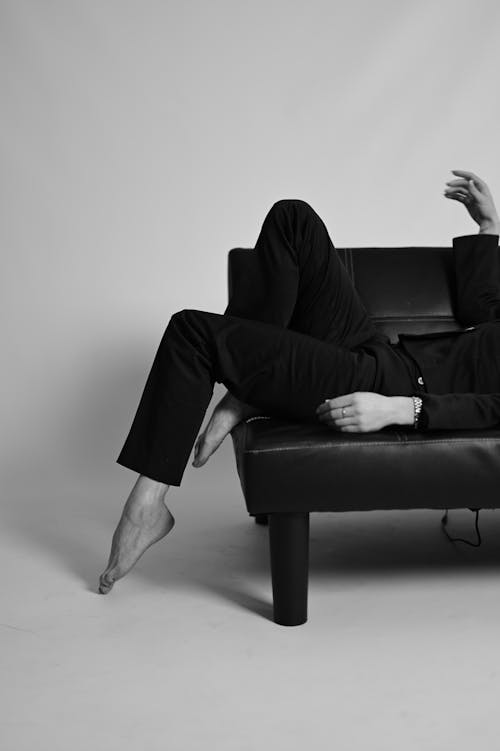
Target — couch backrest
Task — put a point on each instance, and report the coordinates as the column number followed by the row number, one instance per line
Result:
column 407, row 289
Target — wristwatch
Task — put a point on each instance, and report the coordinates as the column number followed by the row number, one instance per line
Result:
column 417, row 408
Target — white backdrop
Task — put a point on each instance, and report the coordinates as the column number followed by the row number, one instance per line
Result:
column 142, row 140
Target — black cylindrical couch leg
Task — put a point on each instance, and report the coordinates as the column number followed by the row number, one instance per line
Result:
column 289, row 548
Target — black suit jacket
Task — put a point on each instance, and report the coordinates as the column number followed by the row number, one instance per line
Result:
column 476, row 265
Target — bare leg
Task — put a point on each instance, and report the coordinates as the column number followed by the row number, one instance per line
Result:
column 228, row 413
column 145, row 520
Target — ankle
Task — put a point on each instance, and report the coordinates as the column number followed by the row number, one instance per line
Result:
column 239, row 407
column 150, row 489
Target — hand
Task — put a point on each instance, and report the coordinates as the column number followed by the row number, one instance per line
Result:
column 364, row 411
column 473, row 192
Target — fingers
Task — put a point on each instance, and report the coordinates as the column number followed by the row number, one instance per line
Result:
column 456, row 191
column 339, row 401
column 323, row 407
column 338, row 413
column 468, row 175
column 458, row 181
column 476, row 193
column 467, row 185
column 335, row 414
column 462, row 190
column 463, row 197
column 462, row 185
column 339, row 419
column 465, row 173
column 346, row 413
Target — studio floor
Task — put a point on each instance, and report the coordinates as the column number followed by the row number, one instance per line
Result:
column 401, row 650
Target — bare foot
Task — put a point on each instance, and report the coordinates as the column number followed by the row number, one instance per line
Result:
column 228, row 413
column 145, row 520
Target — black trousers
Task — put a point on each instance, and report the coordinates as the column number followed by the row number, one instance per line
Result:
column 300, row 337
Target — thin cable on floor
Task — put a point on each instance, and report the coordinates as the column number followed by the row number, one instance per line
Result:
column 444, row 521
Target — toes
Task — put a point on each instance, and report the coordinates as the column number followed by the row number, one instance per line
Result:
column 105, row 587
column 198, row 459
column 202, row 455
column 106, row 582
column 197, row 446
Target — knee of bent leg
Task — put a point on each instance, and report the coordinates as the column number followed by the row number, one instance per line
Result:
column 183, row 322
column 181, row 316
column 287, row 203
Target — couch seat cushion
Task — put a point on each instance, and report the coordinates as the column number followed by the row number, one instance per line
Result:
column 298, row 466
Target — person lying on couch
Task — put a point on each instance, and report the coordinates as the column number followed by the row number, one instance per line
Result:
column 300, row 345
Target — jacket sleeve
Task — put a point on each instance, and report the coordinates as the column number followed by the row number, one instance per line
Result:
column 459, row 411
column 477, row 279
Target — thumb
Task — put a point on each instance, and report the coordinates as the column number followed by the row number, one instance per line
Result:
column 473, row 189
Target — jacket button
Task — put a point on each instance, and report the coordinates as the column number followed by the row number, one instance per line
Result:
column 420, row 380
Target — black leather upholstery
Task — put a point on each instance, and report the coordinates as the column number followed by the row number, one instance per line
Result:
column 285, row 466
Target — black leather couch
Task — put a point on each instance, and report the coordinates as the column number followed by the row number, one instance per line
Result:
column 288, row 470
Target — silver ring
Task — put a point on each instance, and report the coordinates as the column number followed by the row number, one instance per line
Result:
column 343, row 411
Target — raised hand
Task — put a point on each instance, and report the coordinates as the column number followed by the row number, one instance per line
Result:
column 473, row 192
